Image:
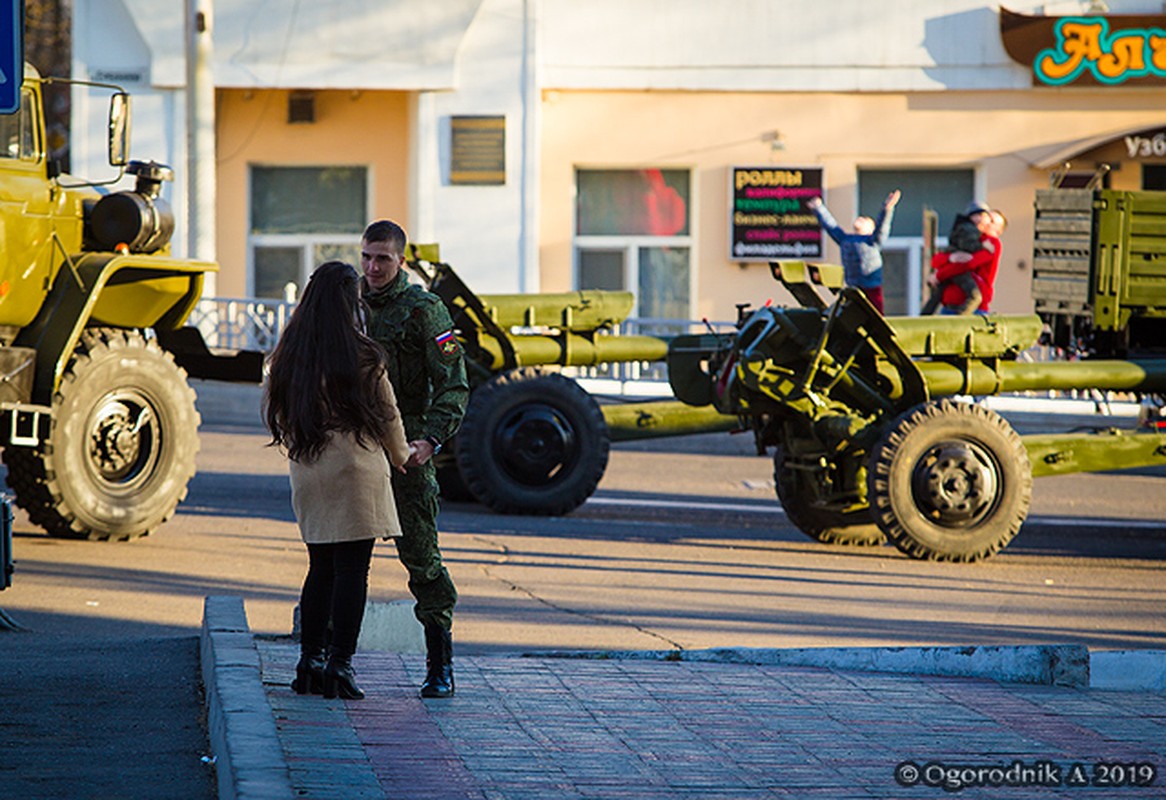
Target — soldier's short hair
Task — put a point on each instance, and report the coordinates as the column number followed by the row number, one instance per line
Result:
column 385, row 230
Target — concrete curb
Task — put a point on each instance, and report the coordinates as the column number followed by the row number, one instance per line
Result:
column 391, row 628
column 1128, row 670
column 249, row 759
column 1051, row 664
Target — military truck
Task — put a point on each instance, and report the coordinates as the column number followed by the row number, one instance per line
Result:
column 1099, row 271
column 97, row 421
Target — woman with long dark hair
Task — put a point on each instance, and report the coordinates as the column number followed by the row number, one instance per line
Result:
column 330, row 405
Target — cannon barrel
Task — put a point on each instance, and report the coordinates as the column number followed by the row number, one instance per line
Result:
column 572, row 349
column 658, row 418
column 585, row 310
column 983, row 339
column 979, row 336
column 976, row 377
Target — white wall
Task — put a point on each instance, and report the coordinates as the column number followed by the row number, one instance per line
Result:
column 789, row 45
column 483, row 230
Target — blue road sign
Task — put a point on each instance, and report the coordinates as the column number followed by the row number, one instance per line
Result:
column 11, row 54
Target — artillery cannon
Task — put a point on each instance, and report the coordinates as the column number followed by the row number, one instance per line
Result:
column 871, row 441
column 532, row 440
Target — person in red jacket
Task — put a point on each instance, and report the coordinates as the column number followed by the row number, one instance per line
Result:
column 982, row 265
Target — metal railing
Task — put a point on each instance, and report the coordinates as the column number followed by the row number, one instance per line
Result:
column 241, row 324
column 256, row 324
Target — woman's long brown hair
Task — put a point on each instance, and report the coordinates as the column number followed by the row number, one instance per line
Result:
column 324, row 372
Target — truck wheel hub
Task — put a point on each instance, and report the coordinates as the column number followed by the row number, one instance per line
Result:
column 955, row 484
column 122, row 440
column 534, row 443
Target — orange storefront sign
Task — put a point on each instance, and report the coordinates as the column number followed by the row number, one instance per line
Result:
column 1088, row 50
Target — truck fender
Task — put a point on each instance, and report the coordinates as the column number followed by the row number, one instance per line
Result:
column 78, row 290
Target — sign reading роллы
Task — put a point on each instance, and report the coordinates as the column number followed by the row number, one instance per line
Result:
column 769, row 219
column 11, row 54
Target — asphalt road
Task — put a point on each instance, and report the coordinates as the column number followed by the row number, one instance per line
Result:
column 684, row 545
column 99, row 718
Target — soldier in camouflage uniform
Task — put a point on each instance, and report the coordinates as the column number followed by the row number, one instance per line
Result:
column 428, row 374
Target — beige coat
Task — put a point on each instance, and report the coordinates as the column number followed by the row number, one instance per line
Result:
column 345, row 494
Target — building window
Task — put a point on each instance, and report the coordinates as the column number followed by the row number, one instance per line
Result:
column 1153, row 177
column 632, row 232
column 946, row 191
column 300, row 218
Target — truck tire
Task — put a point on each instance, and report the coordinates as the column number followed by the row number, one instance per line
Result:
column 828, row 527
column 532, row 443
column 949, row 481
column 121, row 447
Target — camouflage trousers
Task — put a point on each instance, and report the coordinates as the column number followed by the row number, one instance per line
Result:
column 415, row 493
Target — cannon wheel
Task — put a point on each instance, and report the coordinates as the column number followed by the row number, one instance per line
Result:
column 122, row 444
column 828, row 527
column 532, row 443
column 949, row 481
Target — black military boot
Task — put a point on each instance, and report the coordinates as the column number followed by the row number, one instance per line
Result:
column 340, row 678
column 439, row 660
column 310, row 672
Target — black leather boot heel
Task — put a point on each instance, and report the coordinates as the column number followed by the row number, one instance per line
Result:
column 309, row 673
column 340, row 680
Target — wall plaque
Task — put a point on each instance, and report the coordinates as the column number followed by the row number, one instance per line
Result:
column 477, row 150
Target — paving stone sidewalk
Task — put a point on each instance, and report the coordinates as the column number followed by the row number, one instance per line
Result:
column 522, row 728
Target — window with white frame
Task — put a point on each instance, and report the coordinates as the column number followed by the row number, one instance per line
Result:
column 945, row 191
column 633, row 232
column 300, row 218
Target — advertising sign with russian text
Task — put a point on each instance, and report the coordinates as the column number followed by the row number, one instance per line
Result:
column 769, row 219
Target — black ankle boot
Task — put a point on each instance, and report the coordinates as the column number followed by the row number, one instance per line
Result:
column 340, row 678
column 310, row 672
column 439, row 660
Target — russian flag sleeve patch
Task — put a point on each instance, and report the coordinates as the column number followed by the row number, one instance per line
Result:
column 447, row 343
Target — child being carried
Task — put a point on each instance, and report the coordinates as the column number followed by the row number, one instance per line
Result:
column 968, row 236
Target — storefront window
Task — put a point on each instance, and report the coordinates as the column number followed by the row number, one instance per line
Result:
column 663, row 284
column 1153, row 177
column 301, row 217
column 602, row 269
column 632, row 233
column 946, row 191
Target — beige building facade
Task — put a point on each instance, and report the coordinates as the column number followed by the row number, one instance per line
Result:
column 993, row 146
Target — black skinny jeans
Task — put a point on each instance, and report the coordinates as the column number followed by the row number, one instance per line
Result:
column 335, row 589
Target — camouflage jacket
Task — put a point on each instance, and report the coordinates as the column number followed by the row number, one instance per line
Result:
column 426, row 366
